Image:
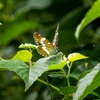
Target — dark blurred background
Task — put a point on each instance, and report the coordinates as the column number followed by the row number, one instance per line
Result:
column 21, row 18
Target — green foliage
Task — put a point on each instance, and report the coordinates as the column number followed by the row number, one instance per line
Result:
column 87, row 84
column 41, row 66
column 15, row 30
column 23, row 55
column 76, row 56
column 68, row 90
column 57, row 66
column 69, row 78
column 29, row 73
column 91, row 15
column 17, row 66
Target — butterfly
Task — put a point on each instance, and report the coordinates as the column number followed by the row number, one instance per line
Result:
column 45, row 47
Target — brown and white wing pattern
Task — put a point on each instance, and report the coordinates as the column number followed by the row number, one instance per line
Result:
column 44, row 45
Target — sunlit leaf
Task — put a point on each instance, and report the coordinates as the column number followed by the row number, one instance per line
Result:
column 57, row 66
column 91, row 15
column 87, row 84
column 76, row 56
column 23, row 55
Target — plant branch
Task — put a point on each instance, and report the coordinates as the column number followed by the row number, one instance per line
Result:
column 57, row 89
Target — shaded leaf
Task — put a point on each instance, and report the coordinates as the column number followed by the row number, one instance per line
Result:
column 38, row 4
column 67, row 98
column 56, row 74
column 95, row 94
column 91, row 15
column 17, row 66
column 15, row 30
column 87, row 84
column 23, row 55
column 68, row 90
column 32, row 4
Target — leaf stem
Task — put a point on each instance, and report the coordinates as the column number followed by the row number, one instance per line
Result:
column 57, row 89
column 69, row 69
column 66, row 77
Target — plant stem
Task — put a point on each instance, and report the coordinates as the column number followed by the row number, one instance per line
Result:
column 57, row 89
column 69, row 68
column 66, row 77
column 50, row 90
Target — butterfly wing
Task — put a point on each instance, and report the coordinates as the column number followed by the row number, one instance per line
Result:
column 44, row 51
column 44, row 46
column 55, row 40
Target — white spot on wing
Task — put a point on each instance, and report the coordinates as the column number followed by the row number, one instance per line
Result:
column 39, row 34
column 42, row 41
column 44, row 48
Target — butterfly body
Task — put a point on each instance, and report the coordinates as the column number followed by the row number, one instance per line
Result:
column 45, row 47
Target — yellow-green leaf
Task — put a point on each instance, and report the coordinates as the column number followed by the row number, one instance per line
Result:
column 23, row 55
column 76, row 56
column 57, row 66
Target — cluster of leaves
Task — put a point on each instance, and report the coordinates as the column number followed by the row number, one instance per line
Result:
column 22, row 64
column 30, row 72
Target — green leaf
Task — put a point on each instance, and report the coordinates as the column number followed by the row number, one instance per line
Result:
column 23, row 55
column 87, row 84
column 57, row 66
column 76, row 56
column 41, row 66
column 40, row 4
column 67, row 98
column 27, row 73
column 68, row 90
column 95, row 94
column 91, row 15
column 17, row 66
column 31, row 4
column 15, row 30
column 56, row 74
